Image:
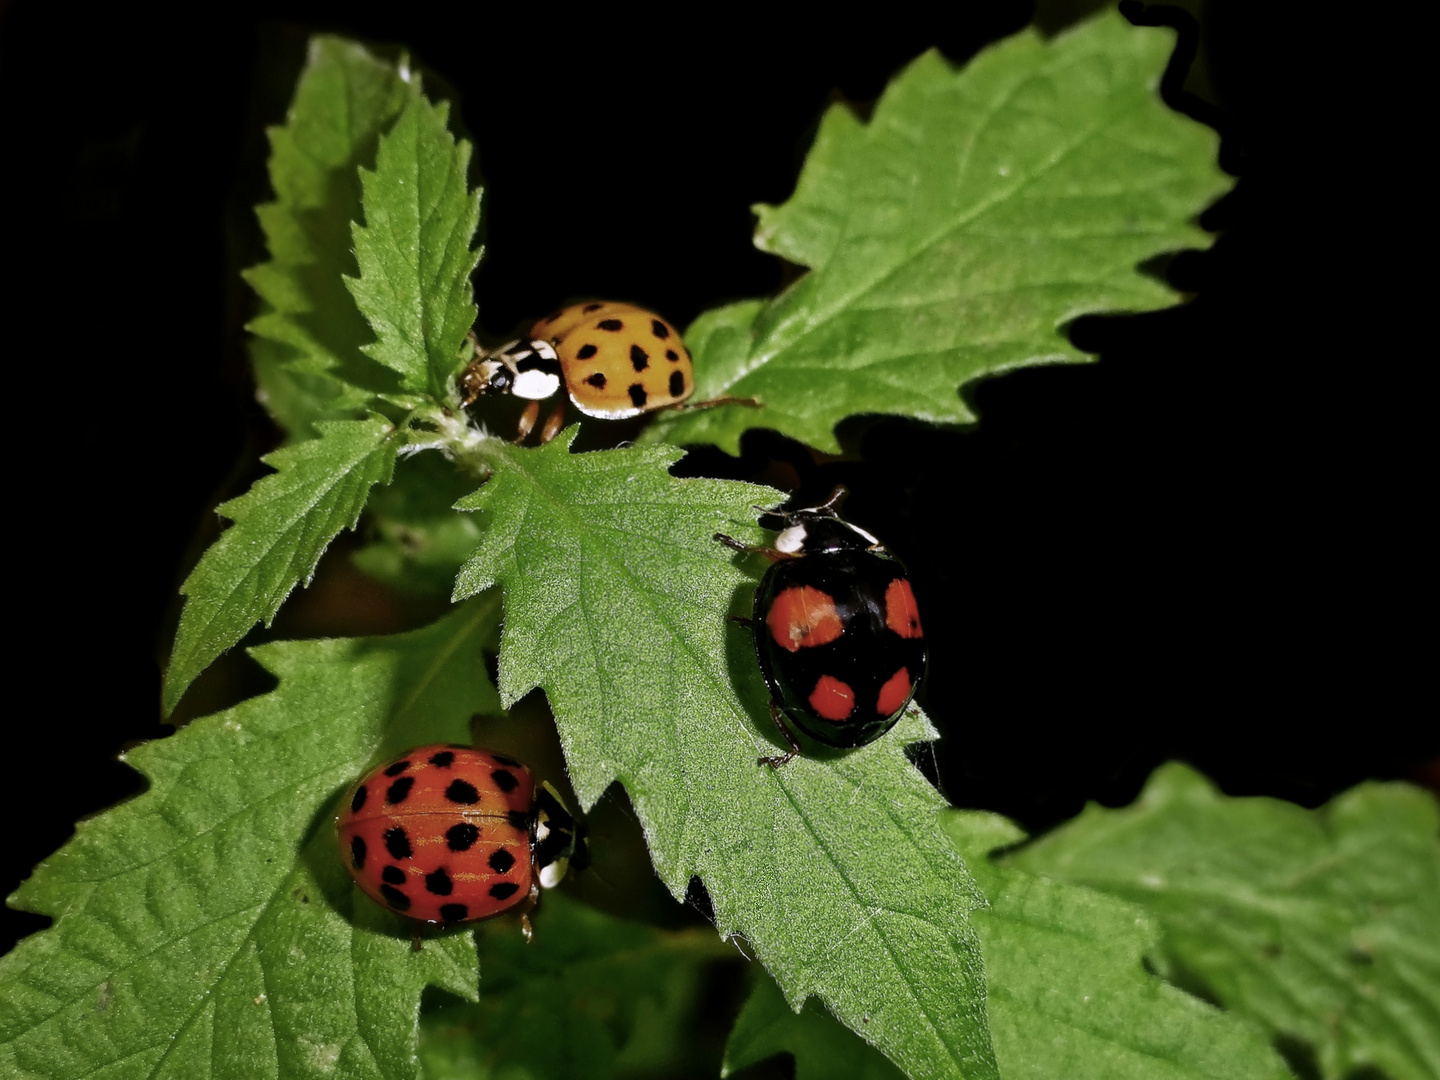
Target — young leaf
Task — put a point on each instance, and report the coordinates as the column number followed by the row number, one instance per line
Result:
column 591, row 997
column 208, row 927
column 414, row 250
column 309, row 332
column 281, row 527
column 835, row 871
column 955, row 234
column 1323, row 924
column 1067, row 990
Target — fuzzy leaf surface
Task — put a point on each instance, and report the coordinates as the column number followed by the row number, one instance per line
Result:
column 418, row 541
column 208, row 927
column 309, row 333
column 836, row 872
column 1069, row 995
column 592, row 997
column 954, row 234
column 1323, row 924
column 414, row 250
column 282, row 526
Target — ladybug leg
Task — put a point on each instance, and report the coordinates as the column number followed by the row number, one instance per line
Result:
column 743, row 620
column 525, row 909
column 417, row 943
column 552, row 425
column 750, row 402
column 527, row 421
column 776, row 760
column 751, row 549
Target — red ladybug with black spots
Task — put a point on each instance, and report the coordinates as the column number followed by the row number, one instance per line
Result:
column 451, row 834
column 837, row 631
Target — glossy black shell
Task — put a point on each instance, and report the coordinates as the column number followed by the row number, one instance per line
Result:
column 864, row 656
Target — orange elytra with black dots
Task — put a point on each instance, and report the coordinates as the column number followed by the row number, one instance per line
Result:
column 450, row 834
column 837, row 631
column 618, row 360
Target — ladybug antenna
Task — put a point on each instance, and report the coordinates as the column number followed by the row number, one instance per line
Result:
column 836, row 497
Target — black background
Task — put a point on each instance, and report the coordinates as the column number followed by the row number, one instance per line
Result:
column 1208, row 546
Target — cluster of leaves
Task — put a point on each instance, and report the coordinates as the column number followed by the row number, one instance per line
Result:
column 207, row 928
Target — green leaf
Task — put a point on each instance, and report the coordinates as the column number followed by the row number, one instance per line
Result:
column 418, row 541
column 309, row 333
column 1323, row 924
column 208, row 927
column 591, row 997
column 835, row 871
column 822, row 1048
column 282, row 526
column 955, row 234
column 414, row 250
column 1069, row 996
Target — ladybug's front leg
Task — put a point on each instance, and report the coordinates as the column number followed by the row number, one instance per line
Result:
column 525, row 908
column 752, row 549
column 553, row 424
column 527, row 421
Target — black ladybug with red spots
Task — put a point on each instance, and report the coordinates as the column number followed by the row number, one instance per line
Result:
column 837, row 631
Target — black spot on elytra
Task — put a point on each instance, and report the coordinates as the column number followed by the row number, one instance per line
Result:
column 639, row 358
column 397, row 768
column 589, row 308
column 393, row 874
column 504, row 890
column 357, row 852
column 597, row 380
column 677, row 384
column 505, row 780
column 501, row 861
column 460, row 837
column 638, row 397
column 461, row 791
column 454, row 912
column 585, row 352
column 359, row 799
column 397, row 791
column 439, row 883
column 395, row 898
column 443, row 760
column 501, row 759
column 611, row 325
column 519, row 819
column 555, row 316
column 672, row 356
column 659, row 329
column 397, row 843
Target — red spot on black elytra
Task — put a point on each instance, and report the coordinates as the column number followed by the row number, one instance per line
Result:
column 443, row 760
column 639, row 358
column 357, row 852
column 501, row 861
column 638, row 397
column 461, row 791
column 832, row 698
column 397, row 843
column 585, row 352
column 439, row 883
column 611, row 325
column 393, row 874
column 677, row 384
column 397, row 768
column 504, row 890
column 659, row 329
column 359, row 799
column 505, row 780
column 597, row 380
column 397, row 791
column 454, row 912
column 395, row 898
column 461, row 837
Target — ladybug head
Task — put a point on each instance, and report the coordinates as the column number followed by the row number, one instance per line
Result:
column 559, row 838
column 819, row 529
column 527, row 369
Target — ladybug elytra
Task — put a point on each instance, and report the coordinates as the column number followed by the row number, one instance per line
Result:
column 450, row 834
column 837, row 631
